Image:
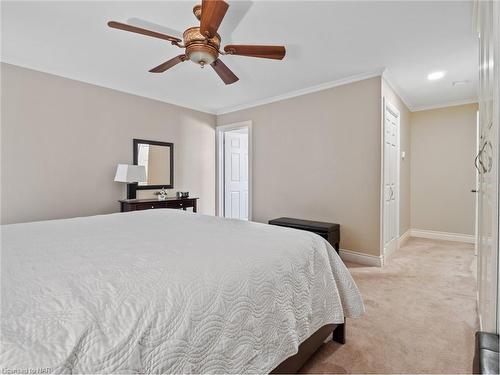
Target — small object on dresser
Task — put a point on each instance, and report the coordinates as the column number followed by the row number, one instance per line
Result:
column 182, row 194
column 162, row 194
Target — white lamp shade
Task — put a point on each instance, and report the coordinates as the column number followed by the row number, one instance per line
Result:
column 130, row 173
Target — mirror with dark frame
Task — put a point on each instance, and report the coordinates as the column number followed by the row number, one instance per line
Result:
column 158, row 160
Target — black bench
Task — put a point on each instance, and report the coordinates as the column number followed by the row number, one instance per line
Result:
column 486, row 356
column 329, row 231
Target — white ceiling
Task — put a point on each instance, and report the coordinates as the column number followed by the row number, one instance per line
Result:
column 326, row 41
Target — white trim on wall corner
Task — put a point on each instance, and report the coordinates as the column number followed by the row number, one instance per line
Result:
column 403, row 239
column 300, row 92
column 446, row 236
column 386, row 75
column 388, row 253
column 444, row 105
column 360, row 258
column 397, row 90
column 400, row 243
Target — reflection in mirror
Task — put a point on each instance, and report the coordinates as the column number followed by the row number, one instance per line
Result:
column 157, row 159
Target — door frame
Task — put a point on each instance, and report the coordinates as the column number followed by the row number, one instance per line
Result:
column 388, row 105
column 219, row 165
column 476, row 187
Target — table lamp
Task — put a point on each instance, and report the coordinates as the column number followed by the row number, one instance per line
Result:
column 131, row 174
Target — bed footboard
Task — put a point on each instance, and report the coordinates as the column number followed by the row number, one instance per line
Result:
column 339, row 333
column 292, row 364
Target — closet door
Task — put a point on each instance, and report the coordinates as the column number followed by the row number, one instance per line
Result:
column 391, row 178
column 488, row 19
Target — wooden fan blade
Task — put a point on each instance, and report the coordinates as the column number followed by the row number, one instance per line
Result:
column 138, row 30
column 266, row 52
column 212, row 13
column 224, row 72
column 168, row 64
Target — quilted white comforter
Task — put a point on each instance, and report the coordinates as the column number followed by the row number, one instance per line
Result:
column 164, row 291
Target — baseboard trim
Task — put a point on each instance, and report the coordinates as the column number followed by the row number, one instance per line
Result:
column 400, row 242
column 446, row 236
column 360, row 258
column 389, row 250
column 404, row 238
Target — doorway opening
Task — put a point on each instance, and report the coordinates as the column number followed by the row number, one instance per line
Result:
column 234, row 170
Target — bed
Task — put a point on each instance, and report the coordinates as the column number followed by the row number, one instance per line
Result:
column 166, row 291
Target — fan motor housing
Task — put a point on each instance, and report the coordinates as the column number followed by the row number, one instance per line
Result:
column 200, row 49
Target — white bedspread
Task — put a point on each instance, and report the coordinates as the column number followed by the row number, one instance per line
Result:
column 165, row 291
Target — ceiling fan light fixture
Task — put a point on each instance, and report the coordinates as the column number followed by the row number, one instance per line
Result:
column 202, row 58
column 202, row 44
column 200, row 50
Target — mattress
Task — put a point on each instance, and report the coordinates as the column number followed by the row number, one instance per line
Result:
column 164, row 291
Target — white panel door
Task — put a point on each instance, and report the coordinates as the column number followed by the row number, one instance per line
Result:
column 236, row 175
column 391, row 179
column 487, row 164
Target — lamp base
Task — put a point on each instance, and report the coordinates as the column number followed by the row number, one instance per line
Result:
column 132, row 190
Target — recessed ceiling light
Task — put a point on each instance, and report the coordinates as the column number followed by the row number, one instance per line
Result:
column 436, row 75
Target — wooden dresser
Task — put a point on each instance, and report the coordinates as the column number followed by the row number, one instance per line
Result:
column 127, row 205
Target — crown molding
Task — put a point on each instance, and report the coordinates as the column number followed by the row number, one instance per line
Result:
column 89, row 82
column 300, row 92
column 446, row 104
column 383, row 72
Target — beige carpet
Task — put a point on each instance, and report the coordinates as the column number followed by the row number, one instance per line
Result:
column 420, row 314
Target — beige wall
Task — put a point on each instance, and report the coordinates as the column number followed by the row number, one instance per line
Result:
column 317, row 156
column 443, row 144
column 62, row 139
column 405, row 145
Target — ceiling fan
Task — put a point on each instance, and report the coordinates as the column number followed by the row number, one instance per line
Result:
column 202, row 43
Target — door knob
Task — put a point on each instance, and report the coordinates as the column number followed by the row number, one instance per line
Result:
column 474, row 191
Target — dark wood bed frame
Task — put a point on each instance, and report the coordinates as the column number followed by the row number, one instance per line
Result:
column 292, row 364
